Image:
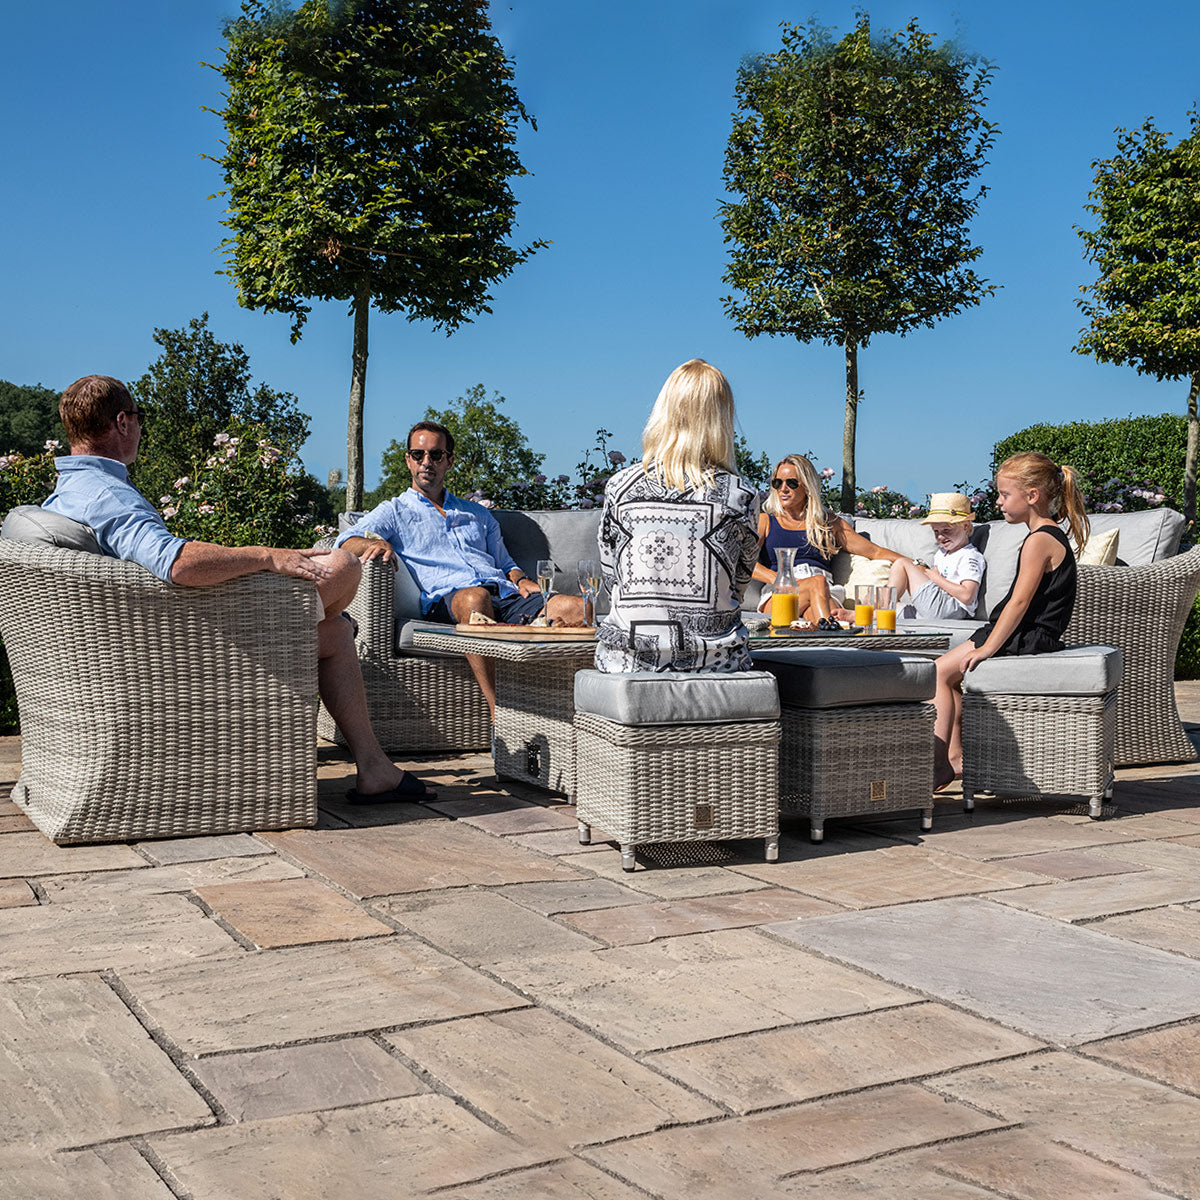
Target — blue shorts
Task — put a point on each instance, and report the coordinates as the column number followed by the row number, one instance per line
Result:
column 512, row 610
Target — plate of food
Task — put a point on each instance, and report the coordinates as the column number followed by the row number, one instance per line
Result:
column 843, row 629
column 533, row 632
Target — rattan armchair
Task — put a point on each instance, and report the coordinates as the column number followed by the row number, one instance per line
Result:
column 1141, row 610
column 151, row 711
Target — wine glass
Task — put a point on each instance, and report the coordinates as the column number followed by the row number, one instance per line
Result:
column 545, row 579
column 589, row 588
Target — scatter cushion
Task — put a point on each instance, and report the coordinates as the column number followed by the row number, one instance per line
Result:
column 1075, row 671
column 837, row 678
column 29, row 523
column 873, row 571
column 677, row 697
column 1100, row 550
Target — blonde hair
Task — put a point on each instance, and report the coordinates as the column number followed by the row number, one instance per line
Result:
column 1058, row 485
column 690, row 430
column 818, row 520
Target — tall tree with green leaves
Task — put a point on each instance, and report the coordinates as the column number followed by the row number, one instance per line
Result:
column 28, row 418
column 1144, row 307
column 370, row 145
column 853, row 167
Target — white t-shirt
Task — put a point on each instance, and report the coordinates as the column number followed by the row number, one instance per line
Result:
column 966, row 563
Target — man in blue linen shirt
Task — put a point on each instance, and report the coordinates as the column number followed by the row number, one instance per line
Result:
column 104, row 429
column 453, row 549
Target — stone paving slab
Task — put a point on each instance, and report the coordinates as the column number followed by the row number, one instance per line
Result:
column 113, row 1172
column 892, row 875
column 569, row 1179
column 1173, row 928
column 30, row 855
column 167, row 851
column 7, row 807
column 305, row 1079
column 1074, row 864
column 627, row 925
column 417, row 857
column 480, row 927
column 750, row 1154
column 275, row 997
column 143, row 933
column 1134, row 1124
column 290, row 912
column 547, row 1082
column 1180, row 854
column 1104, row 896
column 576, row 896
column 784, row 1066
column 563, row 842
column 691, row 989
column 503, row 815
column 897, row 1177
column 397, row 1148
column 1018, row 1163
column 1016, row 835
column 16, row 822
column 84, row 1069
column 102, row 887
column 667, row 883
column 1172, row 1055
column 16, row 893
column 1060, row 983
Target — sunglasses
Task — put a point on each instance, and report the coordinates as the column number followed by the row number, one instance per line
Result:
column 434, row 456
column 142, row 414
column 790, row 484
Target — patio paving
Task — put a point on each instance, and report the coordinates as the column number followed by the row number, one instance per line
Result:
column 458, row 999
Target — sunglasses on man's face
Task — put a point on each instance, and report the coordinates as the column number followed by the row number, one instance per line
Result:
column 790, row 484
column 434, row 456
column 142, row 414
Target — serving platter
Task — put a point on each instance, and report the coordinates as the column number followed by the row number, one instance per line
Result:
column 531, row 633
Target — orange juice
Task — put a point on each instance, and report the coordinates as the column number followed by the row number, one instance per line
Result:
column 785, row 608
column 885, row 618
column 863, row 614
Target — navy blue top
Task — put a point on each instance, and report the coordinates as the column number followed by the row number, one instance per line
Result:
column 778, row 536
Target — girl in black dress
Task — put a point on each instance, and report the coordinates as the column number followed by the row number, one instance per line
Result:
column 1031, row 619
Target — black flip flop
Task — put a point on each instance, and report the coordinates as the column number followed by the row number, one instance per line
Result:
column 408, row 789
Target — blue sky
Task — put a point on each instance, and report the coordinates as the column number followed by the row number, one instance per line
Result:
column 111, row 231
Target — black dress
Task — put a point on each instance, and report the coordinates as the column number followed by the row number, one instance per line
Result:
column 1049, row 611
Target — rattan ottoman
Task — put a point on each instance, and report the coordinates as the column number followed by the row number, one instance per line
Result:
column 675, row 757
column 1042, row 725
column 857, row 733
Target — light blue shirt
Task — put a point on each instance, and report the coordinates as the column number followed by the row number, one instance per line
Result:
column 443, row 553
column 97, row 492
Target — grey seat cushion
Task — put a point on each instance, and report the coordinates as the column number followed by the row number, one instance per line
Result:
column 1075, row 671
column 29, row 523
column 836, row 678
column 677, row 697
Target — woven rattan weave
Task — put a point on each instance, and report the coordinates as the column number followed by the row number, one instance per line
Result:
column 1031, row 746
column 855, row 762
column 151, row 711
column 677, row 783
column 1142, row 611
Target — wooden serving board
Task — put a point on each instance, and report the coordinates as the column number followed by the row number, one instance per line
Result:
column 532, row 633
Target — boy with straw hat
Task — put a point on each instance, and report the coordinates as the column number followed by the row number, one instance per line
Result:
column 949, row 590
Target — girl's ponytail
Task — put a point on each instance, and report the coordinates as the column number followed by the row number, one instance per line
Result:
column 1071, row 506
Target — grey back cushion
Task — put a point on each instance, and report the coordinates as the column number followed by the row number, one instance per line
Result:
column 29, row 523
column 563, row 536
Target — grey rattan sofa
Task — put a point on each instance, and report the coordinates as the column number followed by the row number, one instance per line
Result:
column 151, row 711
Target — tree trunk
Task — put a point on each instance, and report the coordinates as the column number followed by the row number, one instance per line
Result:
column 358, row 392
column 1189, row 469
column 850, row 428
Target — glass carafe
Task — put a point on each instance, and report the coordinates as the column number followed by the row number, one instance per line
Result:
column 784, row 600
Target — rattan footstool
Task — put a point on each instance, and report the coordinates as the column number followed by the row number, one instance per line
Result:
column 1042, row 725
column 675, row 757
column 857, row 733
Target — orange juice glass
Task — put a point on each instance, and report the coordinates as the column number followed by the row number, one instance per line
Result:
column 785, row 608
column 885, row 608
column 864, row 605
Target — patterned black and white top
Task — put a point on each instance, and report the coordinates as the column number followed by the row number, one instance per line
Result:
column 677, row 564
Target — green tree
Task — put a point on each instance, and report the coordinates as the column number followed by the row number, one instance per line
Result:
column 755, row 469
column 368, row 157
column 28, row 418
column 195, row 389
column 1144, row 308
column 853, row 168
column 492, row 457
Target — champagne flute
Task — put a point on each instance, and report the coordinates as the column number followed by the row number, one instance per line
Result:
column 589, row 586
column 545, row 579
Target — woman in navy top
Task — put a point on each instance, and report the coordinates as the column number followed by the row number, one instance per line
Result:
column 794, row 515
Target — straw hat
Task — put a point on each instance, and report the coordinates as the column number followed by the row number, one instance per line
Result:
column 948, row 508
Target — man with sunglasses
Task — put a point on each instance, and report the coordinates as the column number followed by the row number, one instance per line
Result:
column 104, row 429
column 454, row 551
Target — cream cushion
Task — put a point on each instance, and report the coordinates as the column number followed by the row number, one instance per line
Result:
column 866, row 570
column 1100, row 550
